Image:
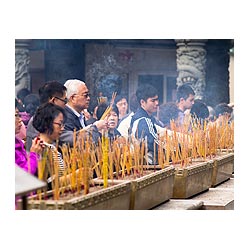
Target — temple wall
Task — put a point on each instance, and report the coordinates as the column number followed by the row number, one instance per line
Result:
column 129, row 62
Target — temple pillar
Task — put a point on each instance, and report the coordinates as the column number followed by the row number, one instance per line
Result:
column 217, row 71
column 22, row 60
column 191, row 59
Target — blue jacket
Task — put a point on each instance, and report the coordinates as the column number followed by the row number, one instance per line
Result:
column 143, row 126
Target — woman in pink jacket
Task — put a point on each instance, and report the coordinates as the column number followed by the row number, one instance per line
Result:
column 26, row 161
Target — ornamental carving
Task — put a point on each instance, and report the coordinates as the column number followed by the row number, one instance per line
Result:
column 191, row 60
column 22, row 60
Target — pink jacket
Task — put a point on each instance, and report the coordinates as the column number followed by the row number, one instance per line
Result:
column 21, row 157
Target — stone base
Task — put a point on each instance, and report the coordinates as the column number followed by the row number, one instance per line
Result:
column 152, row 189
column 223, row 168
column 192, row 180
column 174, row 204
column 218, row 198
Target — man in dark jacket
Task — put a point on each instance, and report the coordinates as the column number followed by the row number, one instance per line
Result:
column 143, row 122
column 185, row 99
column 78, row 100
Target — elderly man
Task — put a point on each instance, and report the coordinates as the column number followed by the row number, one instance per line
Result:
column 78, row 100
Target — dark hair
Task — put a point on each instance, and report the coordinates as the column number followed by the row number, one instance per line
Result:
column 145, row 91
column 16, row 103
column 199, row 110
column 222, row 109
column 115, row 109
column 167, row 112
column 120, row 97
column 22, row 93
column 31, row 103
column 184, row 91
column 45, row 115
column 102, row 107
column 133, row 103
column 50, row 89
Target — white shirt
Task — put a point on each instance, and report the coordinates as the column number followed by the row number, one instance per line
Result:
column 124, row 125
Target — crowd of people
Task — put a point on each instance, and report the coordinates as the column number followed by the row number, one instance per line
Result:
column 60, row 114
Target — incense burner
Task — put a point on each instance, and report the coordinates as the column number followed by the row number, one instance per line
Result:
column 223, row 167
column 193, row 179
column 152, row 189
column 115, row 197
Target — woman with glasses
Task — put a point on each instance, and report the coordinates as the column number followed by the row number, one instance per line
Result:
column 51, row 92
column 49, row 121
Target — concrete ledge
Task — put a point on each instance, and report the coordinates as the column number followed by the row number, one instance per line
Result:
column 217, row 199
column 227, row 184
column 174, row 204
column 222, row 206
column 220, row 197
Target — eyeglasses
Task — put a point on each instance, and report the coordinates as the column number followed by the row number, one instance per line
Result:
column 63, row 100
column 60, row 124
column 86, row 95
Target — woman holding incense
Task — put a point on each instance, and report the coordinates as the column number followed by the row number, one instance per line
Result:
column 26, row 161
column 49, row 121
column 112, row 119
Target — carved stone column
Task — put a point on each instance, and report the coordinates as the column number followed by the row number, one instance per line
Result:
column 191, row 59
column 217, row 71
column 22, row 60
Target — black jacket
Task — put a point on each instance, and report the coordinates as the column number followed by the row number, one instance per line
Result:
column 143, row 126
column 73, row 124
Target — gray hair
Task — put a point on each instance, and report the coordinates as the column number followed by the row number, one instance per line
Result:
column 72, row 86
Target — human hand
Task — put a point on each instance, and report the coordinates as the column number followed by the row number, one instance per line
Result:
column 37, row 145
column 86, row 114
column 101, row 124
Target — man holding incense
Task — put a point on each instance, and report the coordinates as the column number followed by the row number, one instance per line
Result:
column 78, row 99
column 143, row 122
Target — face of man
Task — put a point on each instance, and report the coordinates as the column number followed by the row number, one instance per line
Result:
column 81, row 99
column 122, row 106
column 189, row 102
column 185, row 104
column 151, row 105
column 59, row 100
